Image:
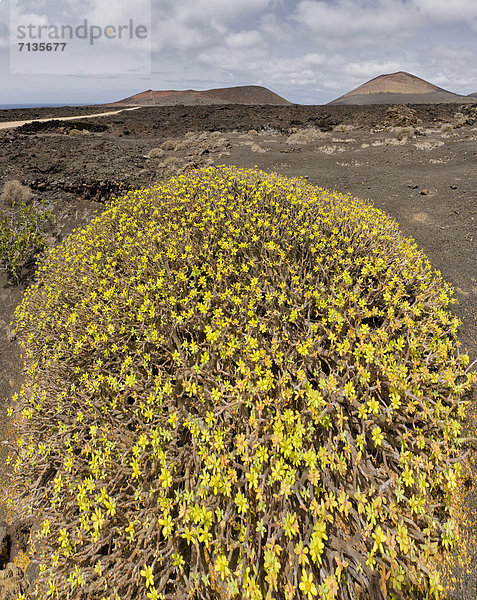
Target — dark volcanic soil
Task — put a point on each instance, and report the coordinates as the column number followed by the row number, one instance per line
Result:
column 424, row 175
column 48, row 112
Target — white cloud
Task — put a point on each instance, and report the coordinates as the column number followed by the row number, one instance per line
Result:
column 346, row 19
column 245, row 39
column 198, row 24
column 447, row 11
column 274, row 27
column 368, row 70
column 253, row 65
column 223, row 11
column 370, row 20
column 30, row 17
column 95, row 49
column 4, row 37
column 306, row 50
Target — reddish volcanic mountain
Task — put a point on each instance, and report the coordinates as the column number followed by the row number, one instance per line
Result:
column 246, row 94
column 399, row 88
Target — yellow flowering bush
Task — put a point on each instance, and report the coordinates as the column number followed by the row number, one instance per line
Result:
column 239, row 386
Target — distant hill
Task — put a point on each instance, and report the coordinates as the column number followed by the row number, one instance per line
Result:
column 245, row 94
column 473, row 95
column 399, row 88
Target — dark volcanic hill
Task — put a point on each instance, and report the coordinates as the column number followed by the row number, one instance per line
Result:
column 245, row 94
column 399, row 88
column 473, row 95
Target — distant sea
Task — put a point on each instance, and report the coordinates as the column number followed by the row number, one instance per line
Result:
column 7, row 106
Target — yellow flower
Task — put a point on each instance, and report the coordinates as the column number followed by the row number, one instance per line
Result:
column 377, row 436
column 241, row 502
column 290, row 526
column 302, row 552
column 146, row 572
column 307, row 586
column 222, row 566
column 379, row 538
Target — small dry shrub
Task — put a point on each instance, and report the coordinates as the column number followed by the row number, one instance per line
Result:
column 254, row 147
column 171, row 165
column 197, row 141
column 330, row 149
column 79, row 132
column 169, row 145
column 447, row 130
column 396, row 141
column 155, row 153
column 428, row 145
column 269, row 130
column 240, row 386
column 343, row 140
column 343, row 128
column 404, row 133
column 390, row 142
column 15, row 193
column 306, row 136
column 170, row 161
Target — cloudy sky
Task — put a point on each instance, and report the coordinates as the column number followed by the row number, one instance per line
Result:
column 309, row 51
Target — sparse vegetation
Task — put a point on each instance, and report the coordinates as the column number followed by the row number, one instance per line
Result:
column 389, row 142
column 405, row 133
column 428, row 144
column 169, row 145
column 171, row 165
column 306, row 136
column 240, row 386
column 155, row 153
column 196, row 142
column 14, row 193
column 447, row 128
column 22, row 230
column 330, row 149
column 343, row 128
column 254, row 147
column 269, row 130
column 203, row 140
column 79, row 132
column 343, row 140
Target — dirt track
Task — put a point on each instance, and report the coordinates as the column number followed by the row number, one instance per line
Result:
column 427, row 182
column 14, row 124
